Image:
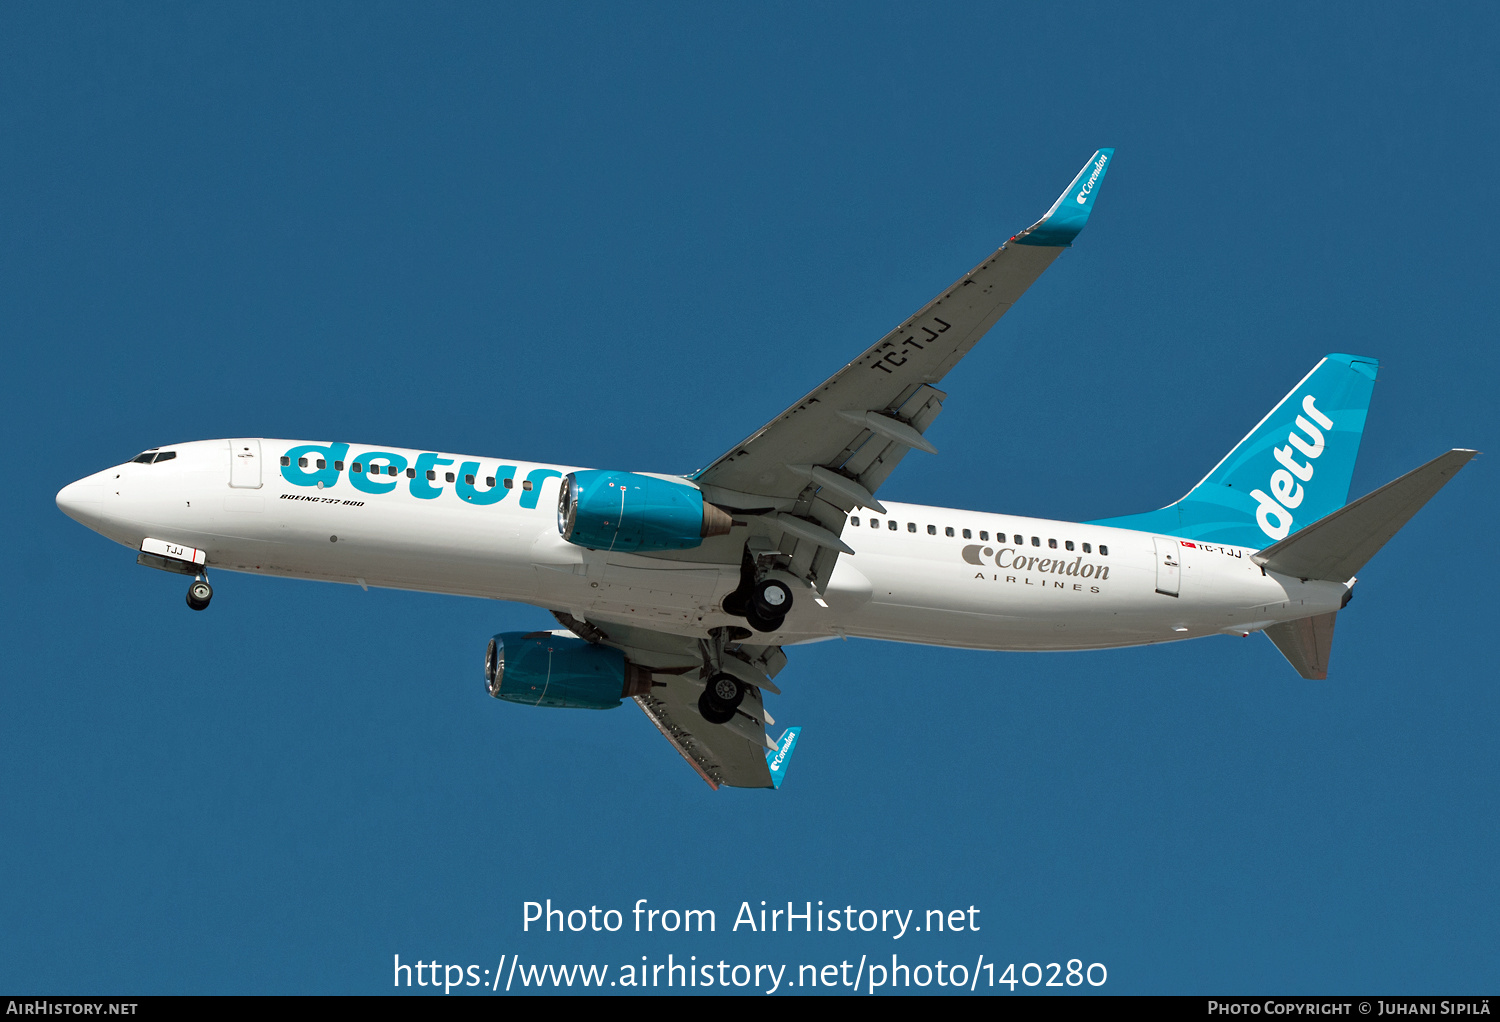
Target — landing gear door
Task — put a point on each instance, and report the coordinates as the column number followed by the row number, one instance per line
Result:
column 1168, row 566
column 244, row 464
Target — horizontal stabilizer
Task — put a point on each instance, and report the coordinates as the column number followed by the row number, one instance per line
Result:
column 1336, row 546
column 1306, row 644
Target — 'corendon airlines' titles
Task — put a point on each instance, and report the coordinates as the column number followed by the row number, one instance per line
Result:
column 1284, row 481
column 1018, row 560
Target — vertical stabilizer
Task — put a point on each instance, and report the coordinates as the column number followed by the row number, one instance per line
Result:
column 1291, row 470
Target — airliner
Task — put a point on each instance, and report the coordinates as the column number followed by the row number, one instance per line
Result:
column 683, row 593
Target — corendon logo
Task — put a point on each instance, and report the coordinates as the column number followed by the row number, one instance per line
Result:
column 1013, row 559
column 1274, row 513
column 1088, row 186
column 784, row 751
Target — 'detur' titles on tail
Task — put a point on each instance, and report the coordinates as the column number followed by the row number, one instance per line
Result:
column 1293, row 468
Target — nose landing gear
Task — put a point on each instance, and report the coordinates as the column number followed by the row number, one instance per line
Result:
column 199, row 593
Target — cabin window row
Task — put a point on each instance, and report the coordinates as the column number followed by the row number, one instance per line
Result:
column 984, row 536
column 390, row 470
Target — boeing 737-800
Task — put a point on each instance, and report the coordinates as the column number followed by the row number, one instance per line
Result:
column 680, row 592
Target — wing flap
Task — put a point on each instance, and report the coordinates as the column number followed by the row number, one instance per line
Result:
column 719, row 755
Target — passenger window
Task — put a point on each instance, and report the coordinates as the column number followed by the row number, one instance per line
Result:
column 1067, row 544
column 1019, row 540
column 1036, row 541
column 301, row 462
column 390, row 470
column 526, row 485
column 510, row 484
column 448, row 476
column 338, row 466
column 489, row 481
column 411, row 473
column 948, row 531
column 357, row 467
column 1088, row 548
column 322, row 463
column 911, row 526
column 431, row 475
column 854, row 522
column 1052, row 544
column 874, row 523
column 892, row 525
column 166, row 456
column 983, row 535
column 932, row 530
column 1103, row 550
column 285, row 460
column 968, row 534
column 469, row 479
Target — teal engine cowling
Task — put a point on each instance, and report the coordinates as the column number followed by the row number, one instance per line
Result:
column 552, row 669
column 628, row 511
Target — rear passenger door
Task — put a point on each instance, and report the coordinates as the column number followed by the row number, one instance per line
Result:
column 1168, row 566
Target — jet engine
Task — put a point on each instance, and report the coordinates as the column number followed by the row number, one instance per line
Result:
column 556, row 669
column 628, row 511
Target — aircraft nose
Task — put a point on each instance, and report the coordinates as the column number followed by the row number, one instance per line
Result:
column 83, row 500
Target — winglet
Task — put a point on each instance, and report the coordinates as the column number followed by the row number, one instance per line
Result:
column 1071, row 210
column 778, row 759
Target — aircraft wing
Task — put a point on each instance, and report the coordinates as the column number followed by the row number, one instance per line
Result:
column 801, row 473
column 722, row 754
column 740, row 753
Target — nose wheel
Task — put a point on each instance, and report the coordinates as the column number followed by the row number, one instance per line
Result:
column 199, row 593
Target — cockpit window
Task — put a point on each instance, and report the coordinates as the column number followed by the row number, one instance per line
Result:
column 165, row 456
column 147, row 457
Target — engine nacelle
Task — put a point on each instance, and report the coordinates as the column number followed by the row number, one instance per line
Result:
column 556, row 669
column 628, row 511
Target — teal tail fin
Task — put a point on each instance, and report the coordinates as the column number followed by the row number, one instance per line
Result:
column 1293, row 469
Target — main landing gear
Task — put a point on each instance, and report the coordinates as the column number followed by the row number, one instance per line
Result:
column 721, row 696
column 763, row 603
column 199, row 593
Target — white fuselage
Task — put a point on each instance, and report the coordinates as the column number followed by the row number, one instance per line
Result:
column 942, row 576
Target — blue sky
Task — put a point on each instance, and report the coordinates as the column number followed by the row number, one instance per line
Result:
column 626, row 237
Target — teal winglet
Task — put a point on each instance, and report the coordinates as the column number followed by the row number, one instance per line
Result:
column 778, row 760
column 1071, row 210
